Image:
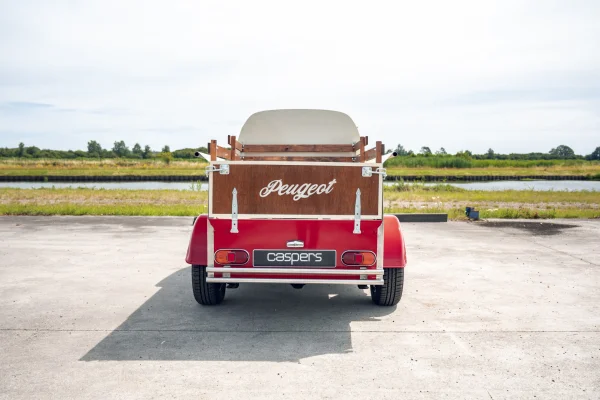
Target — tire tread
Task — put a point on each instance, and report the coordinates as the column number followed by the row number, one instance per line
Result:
column 390, row 293
column 205, row 293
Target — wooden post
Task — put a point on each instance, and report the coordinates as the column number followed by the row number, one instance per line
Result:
column 378, row 151
column 361, row 149
column 213, row 150
column 232, row 143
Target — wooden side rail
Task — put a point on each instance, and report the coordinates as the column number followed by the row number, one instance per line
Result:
column 232, row 153
column 300, row 158
column 297, row 148
column 237, row 151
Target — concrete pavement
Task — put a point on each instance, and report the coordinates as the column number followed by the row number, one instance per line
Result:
column 101, row 307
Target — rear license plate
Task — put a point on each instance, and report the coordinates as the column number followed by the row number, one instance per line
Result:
column 294, row 258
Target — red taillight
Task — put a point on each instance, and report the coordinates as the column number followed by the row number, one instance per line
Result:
column 362, row 258
column 229, row 257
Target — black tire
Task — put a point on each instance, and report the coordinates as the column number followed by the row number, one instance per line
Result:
column 207, row 294
column 390, row 293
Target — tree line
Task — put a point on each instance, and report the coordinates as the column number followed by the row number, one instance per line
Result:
column 561, row 152
column 95, row 150
column 121, row 150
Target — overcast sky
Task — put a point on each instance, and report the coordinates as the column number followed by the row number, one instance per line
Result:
column 516, row 76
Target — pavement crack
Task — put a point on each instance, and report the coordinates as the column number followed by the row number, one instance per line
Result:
column 566, row 254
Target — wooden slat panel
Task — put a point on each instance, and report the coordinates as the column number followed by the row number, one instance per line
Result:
column 361, row 149
column 232, row 143
column 298, row 148
column 222, row 152
column 212, row 147
column 379, row 151
column 238, row 146
column 292, row 158
column 249, row 179
column 371, row 154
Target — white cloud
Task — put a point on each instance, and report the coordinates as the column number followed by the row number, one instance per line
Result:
column 513, row 75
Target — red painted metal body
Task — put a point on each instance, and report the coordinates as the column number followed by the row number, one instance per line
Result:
column 316, row 234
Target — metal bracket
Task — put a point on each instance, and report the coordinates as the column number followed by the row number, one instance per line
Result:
column 223, row 169
column 234, row 212
column 367, row 172
column 357, row 213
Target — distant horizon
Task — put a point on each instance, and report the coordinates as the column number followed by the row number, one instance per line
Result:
column 387, row 148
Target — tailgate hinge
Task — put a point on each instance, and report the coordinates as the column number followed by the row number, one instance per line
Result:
column 357, row 213
column 234, row 212
column 368, row 172
column 223, row 169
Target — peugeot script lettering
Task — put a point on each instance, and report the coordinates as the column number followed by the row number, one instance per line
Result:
column 302, row 191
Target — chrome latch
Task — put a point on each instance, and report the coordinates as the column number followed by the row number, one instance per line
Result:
column 234, row 212
column 357, row 213
column 368, row 172
column 223, row 169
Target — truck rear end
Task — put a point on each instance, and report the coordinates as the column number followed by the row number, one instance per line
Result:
column 288, row 219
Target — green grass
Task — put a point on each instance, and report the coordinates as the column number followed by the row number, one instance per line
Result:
column 409, row 199
column 454, row 162
column 419, row 166
column 504, row 213
column 100, row 209
column 448, row 193
column 48, row 167
column 592, row 171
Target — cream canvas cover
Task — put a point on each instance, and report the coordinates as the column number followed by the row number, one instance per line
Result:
column 299, row 127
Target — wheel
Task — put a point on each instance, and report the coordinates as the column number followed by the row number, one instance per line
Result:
column 207, row 294
column 390, row 292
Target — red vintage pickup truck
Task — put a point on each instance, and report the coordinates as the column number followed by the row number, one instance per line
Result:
column 297, row 199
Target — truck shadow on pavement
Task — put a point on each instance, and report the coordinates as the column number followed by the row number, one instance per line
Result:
column 256, row 322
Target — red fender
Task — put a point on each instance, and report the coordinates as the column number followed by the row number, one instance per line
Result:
column 394, row 250
column 196, row 253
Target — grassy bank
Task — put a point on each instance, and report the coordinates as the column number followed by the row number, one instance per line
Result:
column 105, row 167
column 591, row 170
column 417, row 199
column 453, row 162
column 41, row 167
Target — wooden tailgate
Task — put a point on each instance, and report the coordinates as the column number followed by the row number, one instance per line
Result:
column 294, row 190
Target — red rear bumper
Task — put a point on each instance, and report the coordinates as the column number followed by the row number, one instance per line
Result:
column 211, row 235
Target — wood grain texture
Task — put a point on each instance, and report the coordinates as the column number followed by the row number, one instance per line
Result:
column 232, row 143
column 222, row 152
column 361, row 149
column 212, row 148
column 371, row 154
column 299, row 158
column 250, row 179
column 297, row 148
